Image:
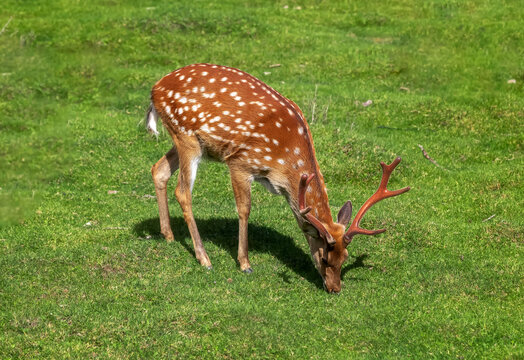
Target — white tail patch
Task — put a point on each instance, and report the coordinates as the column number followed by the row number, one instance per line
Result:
column 151, row 120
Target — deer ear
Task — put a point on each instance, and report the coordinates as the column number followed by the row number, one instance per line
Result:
column 344, row 215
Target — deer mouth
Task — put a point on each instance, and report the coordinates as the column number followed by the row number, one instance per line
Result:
column 330, row 291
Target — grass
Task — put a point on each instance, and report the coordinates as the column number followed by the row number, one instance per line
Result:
column 84, row 272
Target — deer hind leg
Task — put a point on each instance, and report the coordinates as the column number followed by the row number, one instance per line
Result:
column 190, row 154
column 242, row 189
column 162, row 171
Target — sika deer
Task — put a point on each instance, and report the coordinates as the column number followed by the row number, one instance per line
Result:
column 230, row 116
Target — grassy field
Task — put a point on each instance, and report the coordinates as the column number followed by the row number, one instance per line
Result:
column 84, row 272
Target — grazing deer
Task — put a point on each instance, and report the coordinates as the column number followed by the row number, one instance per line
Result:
column 230, row 116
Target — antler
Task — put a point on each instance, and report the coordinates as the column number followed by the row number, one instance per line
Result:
column 381, row 193
column 305, row 180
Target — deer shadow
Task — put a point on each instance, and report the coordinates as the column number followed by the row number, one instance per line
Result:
column 224, row 233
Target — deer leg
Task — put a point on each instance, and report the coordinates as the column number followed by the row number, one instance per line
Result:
column 186, row 178
column 242, row 189
column 162, row 171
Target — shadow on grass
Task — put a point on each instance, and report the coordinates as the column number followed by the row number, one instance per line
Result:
column 358, row 263
column 224, row 233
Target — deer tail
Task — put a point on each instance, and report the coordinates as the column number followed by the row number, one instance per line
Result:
column 151, row 120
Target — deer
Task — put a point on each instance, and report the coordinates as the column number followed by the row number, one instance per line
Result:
column 224, row 114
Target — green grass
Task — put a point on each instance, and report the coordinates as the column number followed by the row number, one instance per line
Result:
column 443, row 282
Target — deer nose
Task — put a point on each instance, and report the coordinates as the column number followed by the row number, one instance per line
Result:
column 334, row 291
column 330, row 291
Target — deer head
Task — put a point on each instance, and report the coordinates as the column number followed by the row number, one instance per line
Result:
column 328, row 243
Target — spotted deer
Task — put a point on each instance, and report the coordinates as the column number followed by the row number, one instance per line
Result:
column 225, row 114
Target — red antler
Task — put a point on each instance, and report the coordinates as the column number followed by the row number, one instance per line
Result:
column 381, row 193
column 304, row 211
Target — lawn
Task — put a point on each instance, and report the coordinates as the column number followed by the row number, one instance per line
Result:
column 84, row 272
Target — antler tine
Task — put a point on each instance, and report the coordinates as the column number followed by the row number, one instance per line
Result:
column 381, row 193
column 305, row 180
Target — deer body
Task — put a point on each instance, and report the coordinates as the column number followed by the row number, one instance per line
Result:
column 228, row 115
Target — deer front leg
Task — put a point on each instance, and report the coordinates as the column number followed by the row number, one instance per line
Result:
column 162, row 171
column 242, row 189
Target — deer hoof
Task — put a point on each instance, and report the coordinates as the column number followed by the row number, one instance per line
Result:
column 169, row 237
column 248, row 271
